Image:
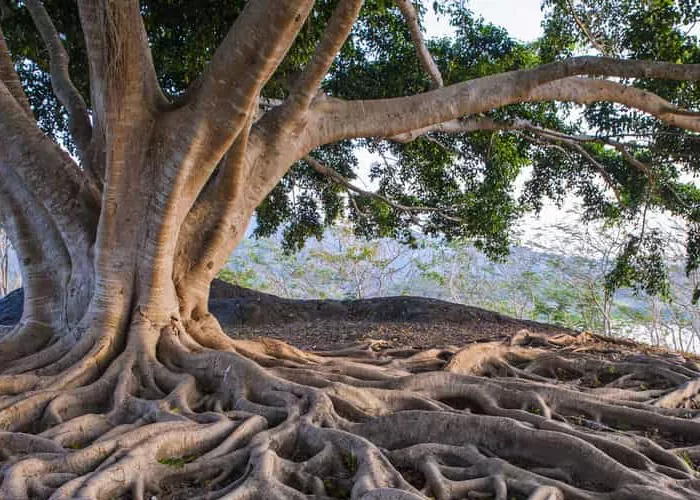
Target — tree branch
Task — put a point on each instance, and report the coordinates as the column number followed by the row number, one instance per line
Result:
column 458, row 126
column 9, row 76
column 334, row 36
column 391, row 117
column 426, row 59
column 50, row 175
column 221, row 99
column 213, row 227
column 574, row 140
column 342, row 181
column 79, row 119
column 333, row 119
column 44, row 261
column 123, row 81
column 587, row 91
column 586, row 31
column 609, row 181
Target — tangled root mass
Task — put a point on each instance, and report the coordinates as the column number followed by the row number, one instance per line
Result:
column 204, row 416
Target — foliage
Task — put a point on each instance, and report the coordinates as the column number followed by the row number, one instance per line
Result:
column 178, row 462
column 558, row 277
column 473, row 176
column 245, row 277
column 653, row 29
column 341, row 266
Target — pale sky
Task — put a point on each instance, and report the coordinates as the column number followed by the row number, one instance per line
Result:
column 521, row 18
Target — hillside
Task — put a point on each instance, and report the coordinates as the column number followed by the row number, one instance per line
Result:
column 555, row 276
column 403, row 320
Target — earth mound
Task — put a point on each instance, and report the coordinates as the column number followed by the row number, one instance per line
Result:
column 326, row 324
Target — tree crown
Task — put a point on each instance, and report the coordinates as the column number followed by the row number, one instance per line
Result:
column 456, row 179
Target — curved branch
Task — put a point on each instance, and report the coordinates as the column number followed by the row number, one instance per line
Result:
column 390, row 117
column 588, row 91
column 334, row 37
column 474, row 124
column 554, row 136
column 342, row 181
column 44, row 261
column 426, row 59
column 50, row 175
column 9, row 76
column 79, row 119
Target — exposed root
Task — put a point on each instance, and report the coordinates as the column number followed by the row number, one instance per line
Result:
column 206, row 416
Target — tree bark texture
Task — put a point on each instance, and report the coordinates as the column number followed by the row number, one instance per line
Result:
column 117, row 381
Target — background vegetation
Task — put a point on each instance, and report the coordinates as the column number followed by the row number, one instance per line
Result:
column 555, row 274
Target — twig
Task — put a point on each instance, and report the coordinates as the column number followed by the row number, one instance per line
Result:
column 339, row 179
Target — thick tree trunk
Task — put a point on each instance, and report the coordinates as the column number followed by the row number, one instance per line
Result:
column 145, row 391
column 118, row 381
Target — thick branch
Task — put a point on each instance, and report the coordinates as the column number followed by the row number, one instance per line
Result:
column 587, row 91
column 50, row 175
column 123, row 81
column 9, row 76
column 392, row 117
column 62, row 85
column 44, row 262
column 426, row 59
column 333, row 119
column 220, row 101
column 215, row 224
column 457, row 126
column 334, row 37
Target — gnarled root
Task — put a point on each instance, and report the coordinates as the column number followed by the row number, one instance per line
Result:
column 205, row 416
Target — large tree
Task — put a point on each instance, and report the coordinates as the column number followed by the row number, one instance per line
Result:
column 138, row 140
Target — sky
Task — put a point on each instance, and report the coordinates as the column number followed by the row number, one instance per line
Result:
column 521, row 18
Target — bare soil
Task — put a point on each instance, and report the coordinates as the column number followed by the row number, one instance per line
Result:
column 396, row 322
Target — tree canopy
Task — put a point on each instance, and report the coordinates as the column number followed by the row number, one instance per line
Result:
column 458, row 181
column 184, row 119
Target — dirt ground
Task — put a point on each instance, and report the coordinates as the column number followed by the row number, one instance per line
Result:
column 397, row 322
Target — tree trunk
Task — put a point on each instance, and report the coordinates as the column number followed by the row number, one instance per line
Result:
column 117, row 381
column 145, row 392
